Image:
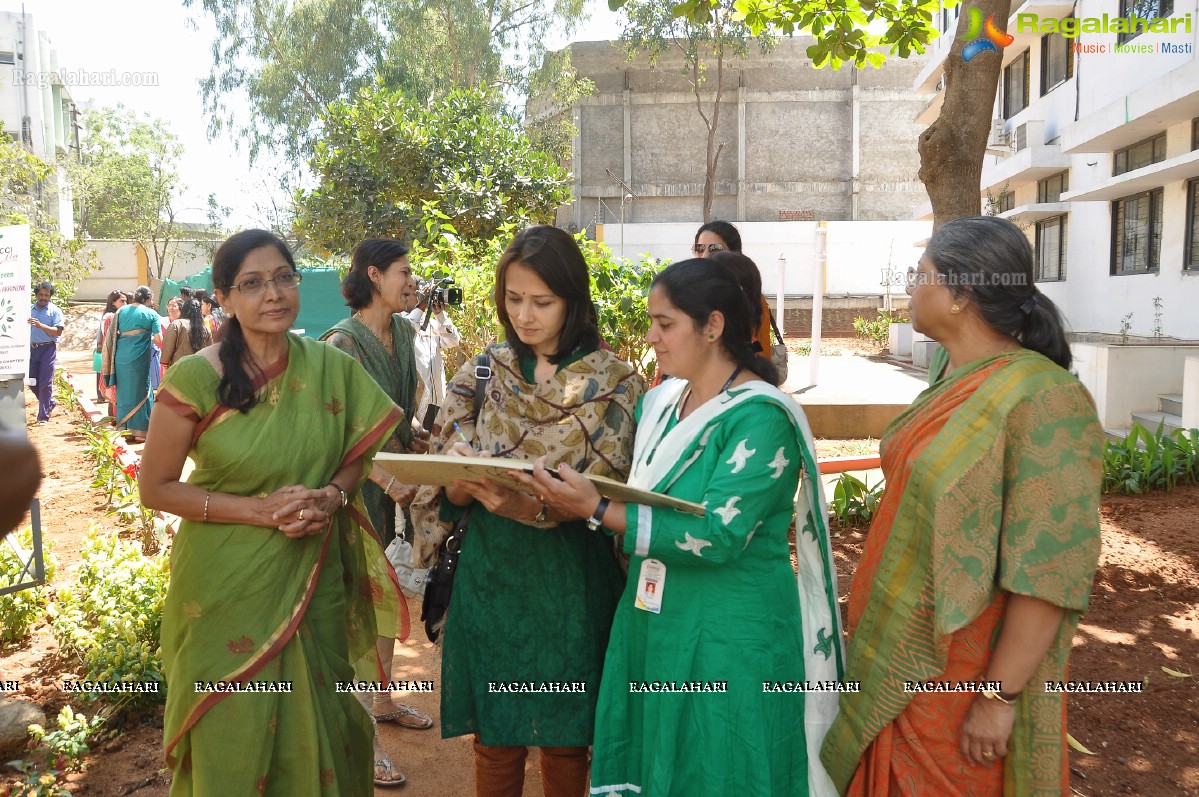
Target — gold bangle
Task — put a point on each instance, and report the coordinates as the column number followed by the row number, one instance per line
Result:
column 991, row 694
column 207, row 498
column 387, row 489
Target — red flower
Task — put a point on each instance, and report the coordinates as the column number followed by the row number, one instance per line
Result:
column 131, row 469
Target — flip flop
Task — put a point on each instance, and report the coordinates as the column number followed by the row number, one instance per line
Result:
column 393, row 777
column 406, row 717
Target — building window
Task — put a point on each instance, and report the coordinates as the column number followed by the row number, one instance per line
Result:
column 1051, row 249
column 1141, row 154
column 1144, row 9
column 1051, row 188
column 949, row 18
column 1015, row 86
column 7, row 58
column 1057, row 61
column 1195, row 133
column 1190, row 261
column 1137, row 233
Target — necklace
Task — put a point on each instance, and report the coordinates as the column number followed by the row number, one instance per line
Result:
column 387, row 344
column 727, row 384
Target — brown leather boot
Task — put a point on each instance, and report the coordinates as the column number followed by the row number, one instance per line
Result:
column 499, row 771
column 564, row 771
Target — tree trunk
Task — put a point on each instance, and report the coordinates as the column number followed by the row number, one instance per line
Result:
column 952, row 148
column 713, row 150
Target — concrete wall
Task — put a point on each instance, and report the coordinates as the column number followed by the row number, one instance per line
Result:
column 858, row 252
column 123, row 265
column 791, row 143
column 1127, row 379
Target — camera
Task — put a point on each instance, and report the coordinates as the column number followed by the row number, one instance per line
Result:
column 441, row 291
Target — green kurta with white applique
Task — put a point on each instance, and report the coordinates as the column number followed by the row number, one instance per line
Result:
column 730, row 609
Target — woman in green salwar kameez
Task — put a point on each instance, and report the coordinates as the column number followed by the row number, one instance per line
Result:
column 705, row 689
column 273, row 592
column 534, row 592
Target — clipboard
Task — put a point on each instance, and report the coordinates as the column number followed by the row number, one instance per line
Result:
column 441, row 470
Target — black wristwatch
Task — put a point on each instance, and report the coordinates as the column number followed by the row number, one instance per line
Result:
column 597, row 517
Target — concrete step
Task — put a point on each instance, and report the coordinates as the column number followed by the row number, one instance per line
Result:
column 1117, row 435
column 1151, row 420
column 1170, row 402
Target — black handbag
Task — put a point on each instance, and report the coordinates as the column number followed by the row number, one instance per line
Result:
column 440, row 586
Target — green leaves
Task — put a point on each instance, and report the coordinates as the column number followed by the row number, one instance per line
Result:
column 1145, row 461
column 392, row 166
column 854, row 502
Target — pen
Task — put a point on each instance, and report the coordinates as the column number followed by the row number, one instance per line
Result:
column 461, row 436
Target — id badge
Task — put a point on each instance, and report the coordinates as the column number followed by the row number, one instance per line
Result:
column 650, row 585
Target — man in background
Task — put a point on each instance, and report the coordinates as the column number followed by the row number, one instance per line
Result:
column 48, row 323
column 439, row 333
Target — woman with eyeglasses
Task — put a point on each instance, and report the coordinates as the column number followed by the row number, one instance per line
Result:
column 980, row 558
column 271, row 590
column 126, row 364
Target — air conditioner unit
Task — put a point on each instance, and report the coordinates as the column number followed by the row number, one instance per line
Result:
column 998, row 138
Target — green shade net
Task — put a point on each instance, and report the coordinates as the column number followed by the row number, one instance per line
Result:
column 321, row 302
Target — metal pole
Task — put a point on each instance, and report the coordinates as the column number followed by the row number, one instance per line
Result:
column 818, row 299
column 778, row 296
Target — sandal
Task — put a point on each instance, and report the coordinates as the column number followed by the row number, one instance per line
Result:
column 391, row 777
column 406, row 717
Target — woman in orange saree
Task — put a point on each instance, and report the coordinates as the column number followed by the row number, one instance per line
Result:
column 272, row 596
column 981, row 557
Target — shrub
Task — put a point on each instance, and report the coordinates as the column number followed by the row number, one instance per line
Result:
column 65, row 747
column 854, row 502
column 110, row 620
column 878, row 330
column 1146, row 460
column 20, row 610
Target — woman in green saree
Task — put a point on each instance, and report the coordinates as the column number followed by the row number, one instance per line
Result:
column 272, row 593
column 378, row 287
column 980, row 559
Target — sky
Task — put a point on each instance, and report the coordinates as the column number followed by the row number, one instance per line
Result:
column 172, row 43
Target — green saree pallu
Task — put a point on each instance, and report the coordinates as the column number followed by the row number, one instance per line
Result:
column 258, row 628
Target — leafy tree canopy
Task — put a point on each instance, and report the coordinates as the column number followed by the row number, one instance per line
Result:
column 391, row 166
column 277, row 64
column 840, row 27
column 26, row 194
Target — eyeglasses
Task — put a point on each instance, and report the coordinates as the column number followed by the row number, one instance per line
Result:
column 288, row 280
column 699, row 249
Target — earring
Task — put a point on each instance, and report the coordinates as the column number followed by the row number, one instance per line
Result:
column 711, row 337
column 955, row 309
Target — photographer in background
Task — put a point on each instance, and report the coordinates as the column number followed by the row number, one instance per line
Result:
column 434, row 332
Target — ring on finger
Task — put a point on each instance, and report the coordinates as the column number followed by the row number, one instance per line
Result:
column 988, row 755
column 301, row 514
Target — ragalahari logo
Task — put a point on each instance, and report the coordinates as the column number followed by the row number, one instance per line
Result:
column 993, row 38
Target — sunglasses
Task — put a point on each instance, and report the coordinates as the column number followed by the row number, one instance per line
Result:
column 699, row 249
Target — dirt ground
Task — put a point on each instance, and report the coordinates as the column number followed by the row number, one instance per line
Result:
column 1144, row 615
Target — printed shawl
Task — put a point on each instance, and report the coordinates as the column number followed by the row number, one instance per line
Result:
column 582, row 416
column 670, row 453
column 249, row 604
column 992, row 488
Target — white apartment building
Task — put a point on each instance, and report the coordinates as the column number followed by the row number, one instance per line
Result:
column 1095, row 152
column 35, row 105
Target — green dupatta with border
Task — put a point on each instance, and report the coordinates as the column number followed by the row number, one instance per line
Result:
column 1004, row 498
column 248, row 604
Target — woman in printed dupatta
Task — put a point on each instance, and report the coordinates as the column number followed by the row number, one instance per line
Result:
column 980, row 559
column 703, row 692
column 534, row 591
column 270, row 586
column 378, row 287
column 128, row 356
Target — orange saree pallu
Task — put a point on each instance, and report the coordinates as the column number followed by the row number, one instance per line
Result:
column 992, row 488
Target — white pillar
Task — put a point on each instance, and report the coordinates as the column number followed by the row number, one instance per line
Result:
column 818, row 299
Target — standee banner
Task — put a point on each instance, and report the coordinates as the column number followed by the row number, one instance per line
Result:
column 15, row 293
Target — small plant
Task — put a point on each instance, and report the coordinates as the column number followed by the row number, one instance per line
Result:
column 1157, row 317
column 36, row 783
column 878, row 330
column 854, row 502
column 109, row 622
column 1145, row 460
column 65, row 747
column 20, row 610
column 1125, row 326
column 64, row 394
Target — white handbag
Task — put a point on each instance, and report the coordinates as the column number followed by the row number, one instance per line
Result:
column 412, row 579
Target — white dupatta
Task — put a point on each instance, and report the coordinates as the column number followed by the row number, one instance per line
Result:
column 824, row 650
